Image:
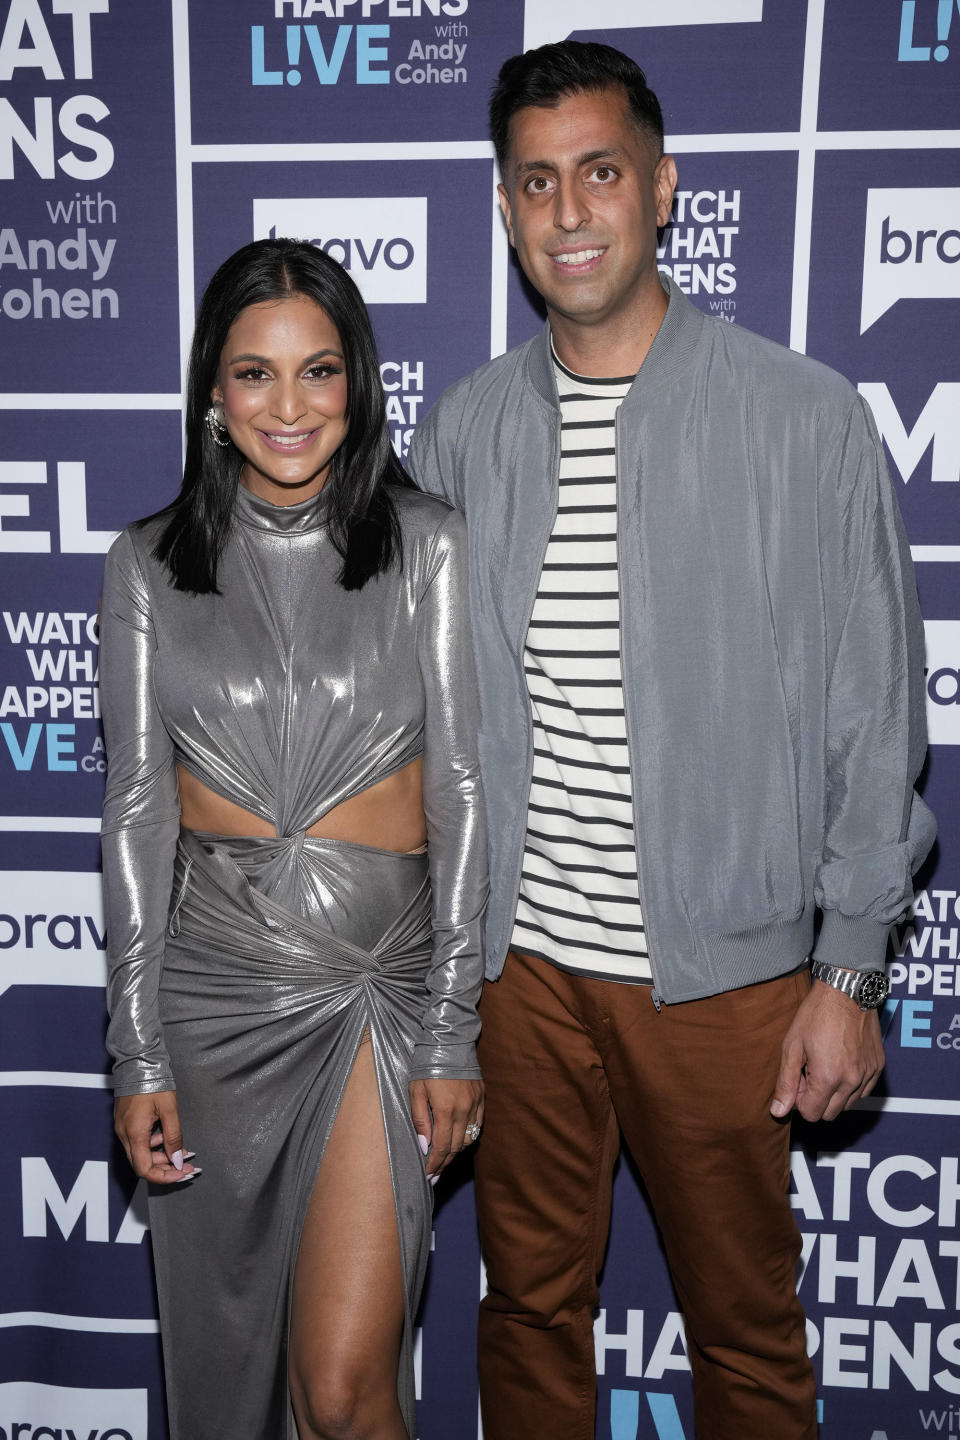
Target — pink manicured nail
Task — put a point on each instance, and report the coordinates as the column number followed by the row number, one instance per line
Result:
column 189, row 1176
column 423, row 1142
column 176, row 1159
column 434, row 1178
column 189, row 1154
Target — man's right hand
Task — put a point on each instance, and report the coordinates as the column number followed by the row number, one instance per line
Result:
column 142, row 1119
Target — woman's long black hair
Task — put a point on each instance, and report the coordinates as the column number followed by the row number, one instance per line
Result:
column 361, row 513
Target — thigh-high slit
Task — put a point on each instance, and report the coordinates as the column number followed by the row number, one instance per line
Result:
column 281, row 954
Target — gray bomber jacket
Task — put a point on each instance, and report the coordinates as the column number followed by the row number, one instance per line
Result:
column 771, row 643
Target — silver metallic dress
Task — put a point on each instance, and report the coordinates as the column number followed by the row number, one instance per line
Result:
column 244, row 972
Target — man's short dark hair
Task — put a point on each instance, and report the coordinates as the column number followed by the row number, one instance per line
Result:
column 571, row 67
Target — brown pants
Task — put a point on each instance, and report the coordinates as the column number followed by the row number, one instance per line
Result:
column 569, row 1063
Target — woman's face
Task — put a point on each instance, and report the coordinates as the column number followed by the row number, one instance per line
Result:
column 283, row 386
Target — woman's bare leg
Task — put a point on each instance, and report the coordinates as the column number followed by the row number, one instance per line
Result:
column 347, row 1314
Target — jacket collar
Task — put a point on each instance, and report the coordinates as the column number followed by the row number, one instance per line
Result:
column 676, row 340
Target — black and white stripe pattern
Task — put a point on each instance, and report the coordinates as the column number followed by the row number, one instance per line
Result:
column 579, row 903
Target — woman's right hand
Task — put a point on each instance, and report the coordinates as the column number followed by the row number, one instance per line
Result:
column 149, row 1130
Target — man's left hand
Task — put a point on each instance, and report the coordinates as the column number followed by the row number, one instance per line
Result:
column 831, row 1056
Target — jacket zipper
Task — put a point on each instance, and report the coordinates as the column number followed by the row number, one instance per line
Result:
column 526, row 627
column 632, row 759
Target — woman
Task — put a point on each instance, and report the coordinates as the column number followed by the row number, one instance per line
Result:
column 289, row 712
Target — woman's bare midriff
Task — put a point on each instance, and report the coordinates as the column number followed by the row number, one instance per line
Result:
column 388, row 815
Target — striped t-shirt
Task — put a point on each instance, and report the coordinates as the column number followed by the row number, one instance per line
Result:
column 579, row 904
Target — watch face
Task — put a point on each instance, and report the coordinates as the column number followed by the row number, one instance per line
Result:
column 873, row 990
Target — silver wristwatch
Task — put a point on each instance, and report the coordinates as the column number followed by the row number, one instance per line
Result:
column 866, row 988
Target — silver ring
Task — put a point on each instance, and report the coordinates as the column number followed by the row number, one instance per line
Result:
column 472, row 1132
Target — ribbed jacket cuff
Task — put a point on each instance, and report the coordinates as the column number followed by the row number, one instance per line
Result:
column 855, row 942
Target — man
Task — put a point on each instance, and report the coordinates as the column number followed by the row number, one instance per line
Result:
column 700, row 662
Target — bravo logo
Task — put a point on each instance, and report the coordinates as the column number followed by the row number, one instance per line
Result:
column 381, row 242
column 943, row 681
column 59, row 1412
column 51, row 929
column 549, row 20
column 911, row 249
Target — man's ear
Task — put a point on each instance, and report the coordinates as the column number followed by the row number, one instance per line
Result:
column 506, row 212
column 665, row 182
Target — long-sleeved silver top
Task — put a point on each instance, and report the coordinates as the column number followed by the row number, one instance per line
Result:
column 287, row 694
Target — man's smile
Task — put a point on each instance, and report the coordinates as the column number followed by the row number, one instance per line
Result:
column 586, row 257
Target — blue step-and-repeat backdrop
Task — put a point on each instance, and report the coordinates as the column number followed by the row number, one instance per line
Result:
column 143, row 140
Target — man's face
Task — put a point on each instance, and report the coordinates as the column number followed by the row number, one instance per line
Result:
column 582, row 196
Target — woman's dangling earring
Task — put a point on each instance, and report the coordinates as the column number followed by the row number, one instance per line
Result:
column 214, row 421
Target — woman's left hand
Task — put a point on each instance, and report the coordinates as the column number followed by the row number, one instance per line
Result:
column 443, row 1113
